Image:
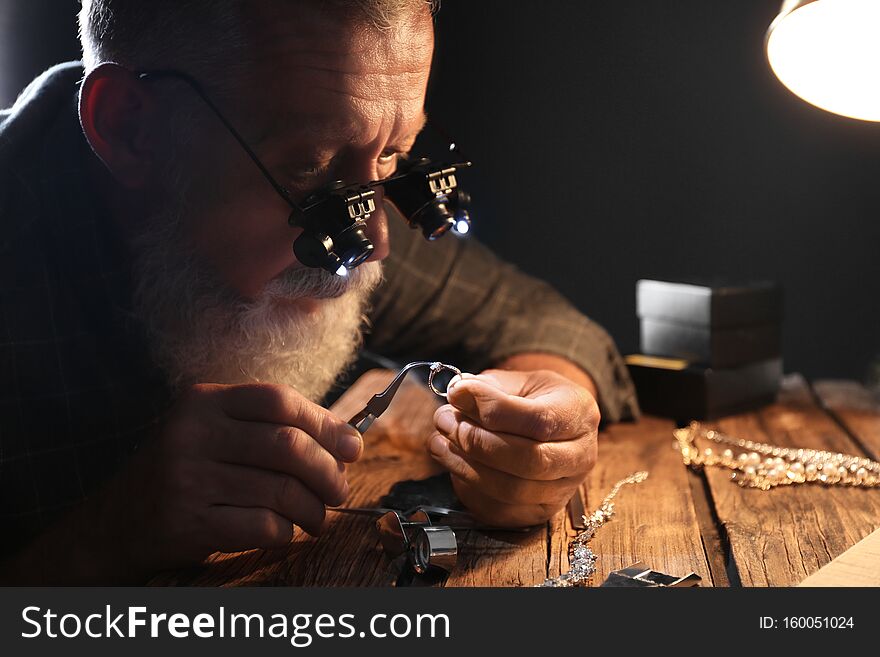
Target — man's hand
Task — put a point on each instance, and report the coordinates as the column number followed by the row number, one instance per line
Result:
column 517, row 444
column 234, row 468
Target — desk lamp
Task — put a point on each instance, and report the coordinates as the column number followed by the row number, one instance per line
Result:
column 827, row 52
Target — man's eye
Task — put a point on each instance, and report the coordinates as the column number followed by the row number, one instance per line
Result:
column 304, row 175
column 388, row 157
column 389, row 162
column 314, row 170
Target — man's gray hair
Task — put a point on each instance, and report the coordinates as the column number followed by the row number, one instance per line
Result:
column 197, row 33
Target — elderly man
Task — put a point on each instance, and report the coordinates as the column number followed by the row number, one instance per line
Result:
column 163, row 352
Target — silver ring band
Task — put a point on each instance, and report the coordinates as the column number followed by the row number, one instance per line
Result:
column 439, row 367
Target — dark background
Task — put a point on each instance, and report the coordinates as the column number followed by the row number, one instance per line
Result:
column 622, row 140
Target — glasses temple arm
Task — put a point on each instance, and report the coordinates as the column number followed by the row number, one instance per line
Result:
column 283, row 193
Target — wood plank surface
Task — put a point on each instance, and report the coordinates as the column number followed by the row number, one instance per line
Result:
column 654, row 521
column 677, row 521
column 348, row 553
column 856, row 408
column 858, row 566
column 779, row 537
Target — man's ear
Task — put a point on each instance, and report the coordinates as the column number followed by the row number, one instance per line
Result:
column 116, row 111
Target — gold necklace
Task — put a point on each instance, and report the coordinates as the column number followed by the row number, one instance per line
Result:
column 767, row 466
column 581, row 559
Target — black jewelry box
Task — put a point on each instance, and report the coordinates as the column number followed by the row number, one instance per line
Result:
column 721, row 326
column 716, row 347
column 710, row 305
column 683, row 391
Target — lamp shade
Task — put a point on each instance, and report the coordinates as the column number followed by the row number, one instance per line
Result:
column 828, row 53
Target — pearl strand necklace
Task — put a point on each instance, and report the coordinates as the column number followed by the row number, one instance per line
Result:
column 767, row 466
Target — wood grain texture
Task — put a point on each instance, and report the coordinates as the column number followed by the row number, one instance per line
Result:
column 856, row 408
column 779, row 537
column 654, row 521
column 676, row 521
column 501, row 559
column 715, row 546
column 858, row 566
column 348, row 553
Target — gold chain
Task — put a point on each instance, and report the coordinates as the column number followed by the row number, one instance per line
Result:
column 581, row 559
column 765, row 466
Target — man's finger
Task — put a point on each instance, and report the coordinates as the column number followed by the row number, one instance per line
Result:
column 517, row 455
column 562, row 412
column 279, row 404
column 283, row 449
column 242, row 486
column 499, row 485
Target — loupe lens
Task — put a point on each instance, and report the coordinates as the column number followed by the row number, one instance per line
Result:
column 356, row 259
column 421, row 552
column 353, row 246
column 316, row 251
column 435, row 220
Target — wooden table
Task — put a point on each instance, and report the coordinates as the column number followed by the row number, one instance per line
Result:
column 677, row 521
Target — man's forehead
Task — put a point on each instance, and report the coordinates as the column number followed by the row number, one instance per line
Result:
column 303, row 33
column 316, row 74
column 317, row 128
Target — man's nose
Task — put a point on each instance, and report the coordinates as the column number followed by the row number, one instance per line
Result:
column 377, row 229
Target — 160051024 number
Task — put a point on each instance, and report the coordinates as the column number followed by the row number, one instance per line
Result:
column 817, row 622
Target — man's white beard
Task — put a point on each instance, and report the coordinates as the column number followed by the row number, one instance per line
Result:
column 202, row 332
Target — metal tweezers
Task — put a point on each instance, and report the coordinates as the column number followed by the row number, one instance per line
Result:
column 453, row 518
column 458, row 519
column 379, row 403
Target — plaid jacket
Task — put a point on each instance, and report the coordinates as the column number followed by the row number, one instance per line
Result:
column 78, row 392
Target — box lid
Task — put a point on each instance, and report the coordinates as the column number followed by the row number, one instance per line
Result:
column 684, row 391
column 715, row 305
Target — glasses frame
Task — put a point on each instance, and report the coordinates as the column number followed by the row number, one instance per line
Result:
column 280, row 189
